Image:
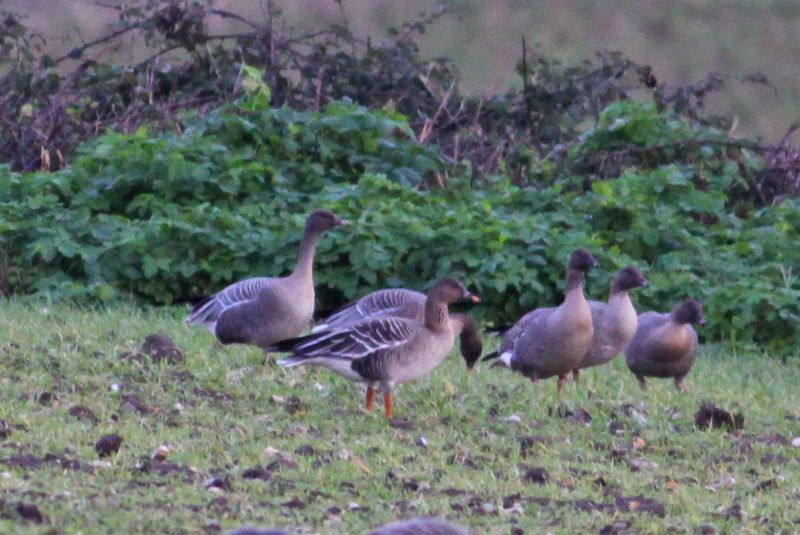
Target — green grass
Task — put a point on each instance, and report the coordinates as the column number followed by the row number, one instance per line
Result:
column 224, row 411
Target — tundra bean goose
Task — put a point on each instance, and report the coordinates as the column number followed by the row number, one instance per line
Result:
column 419, row 526
column 665, row 345
column 552, row 341
column 264, row 310
column 614, row 323
column 384, row 351
column 403, row 303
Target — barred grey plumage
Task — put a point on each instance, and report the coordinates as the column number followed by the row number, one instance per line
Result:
column 385, row 350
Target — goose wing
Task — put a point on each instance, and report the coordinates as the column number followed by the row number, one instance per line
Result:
column 366, row 339
column 208, row 311
column 391, row 302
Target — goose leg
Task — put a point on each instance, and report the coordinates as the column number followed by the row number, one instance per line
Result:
column 534, row 379
column 387, row 403
column 575, row 374
column 370, row 397
column 562, row 380
column 679, row 384
column 641, row 382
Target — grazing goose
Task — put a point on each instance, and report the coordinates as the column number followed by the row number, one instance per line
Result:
column 552, row 341
column 386, row 350
column 419, row 526
column 403, row 303
column 264, row 310
column 614, row 323
column 665, row 344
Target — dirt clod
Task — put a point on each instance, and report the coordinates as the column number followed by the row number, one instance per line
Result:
column 108, row 445
column 29, row 511
column 536, row 475
column 160, row 347
column 257, row 472
column 132, row 403
column 45, row 398
column 711, row 416
column 528, row 444
column 618, row 527
column 5, row 430
column 82, row 412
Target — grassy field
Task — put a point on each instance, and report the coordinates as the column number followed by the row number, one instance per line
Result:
column 250, row 443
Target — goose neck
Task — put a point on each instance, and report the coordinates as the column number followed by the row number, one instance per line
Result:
column 305, row 258
column 436, row 314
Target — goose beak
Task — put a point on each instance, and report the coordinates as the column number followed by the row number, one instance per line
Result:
column 341, row 222
column 643, row 282
column 702, row 321
column 472, row 297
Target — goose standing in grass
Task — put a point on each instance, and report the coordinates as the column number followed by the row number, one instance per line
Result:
column 384, row 351
column 614, row 323
column 264, row 310
column 419, row 526
column 665, row 344
column 403, row 303
column 552, row 341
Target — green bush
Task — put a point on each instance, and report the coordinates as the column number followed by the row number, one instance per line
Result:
column 164, row 217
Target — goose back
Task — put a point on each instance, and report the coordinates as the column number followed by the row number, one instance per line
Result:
column 661, row 347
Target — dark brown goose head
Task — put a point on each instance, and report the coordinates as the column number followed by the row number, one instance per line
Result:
column 627, row 279
column 448, row 291
column 321, row 220
column 581, row 260
column 470, row 340
column 689, row 311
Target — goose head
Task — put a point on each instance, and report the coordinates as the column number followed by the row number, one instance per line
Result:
column 689, row 311
column 581, row 260
column 470, row 340
column 449, row 291
column 321, row 220
column 629, row 278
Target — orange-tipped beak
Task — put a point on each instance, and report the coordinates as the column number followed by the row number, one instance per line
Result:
column 474, row 298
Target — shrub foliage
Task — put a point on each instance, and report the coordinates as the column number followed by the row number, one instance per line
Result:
column 494, row 190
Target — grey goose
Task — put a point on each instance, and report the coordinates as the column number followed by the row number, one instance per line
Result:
column 264, row 310
column 419, row 526
column 404, row 303
column 614, row 322
column 665, row 344
column 552, row 341
column 384, row 351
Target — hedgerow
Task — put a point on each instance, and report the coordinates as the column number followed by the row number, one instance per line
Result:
column 165, row 216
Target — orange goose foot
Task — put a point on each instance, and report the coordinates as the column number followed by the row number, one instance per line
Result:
column 387, row 404
column 370, row 397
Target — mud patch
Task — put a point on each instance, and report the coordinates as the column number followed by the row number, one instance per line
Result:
column 30, row 462
column 166, row 469
column 82, row 412
column 132, row 403
column 24, row 511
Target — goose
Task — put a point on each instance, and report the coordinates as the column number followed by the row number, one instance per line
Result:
column 264, row 310
column 404, row 303
column 552, row 341
column 387, row 350
column 614, row 323
column 665, row 344
column 419, row 526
